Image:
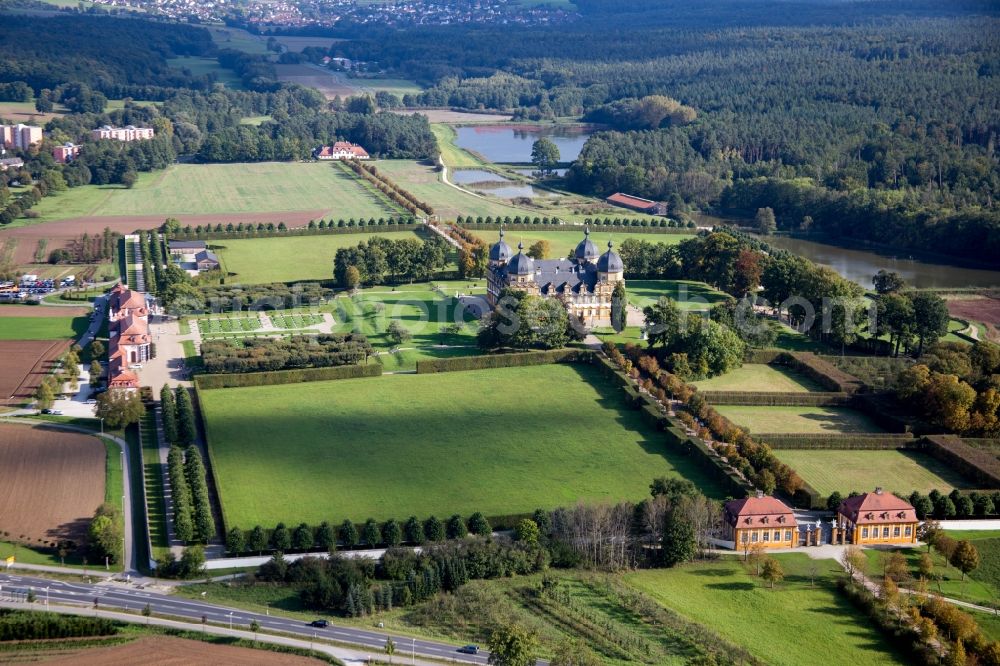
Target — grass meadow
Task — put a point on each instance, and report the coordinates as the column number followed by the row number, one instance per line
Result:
column 41, row 328
column 287, row 259
column 201, row 189
column 798, row 420
column 207, row 66
column 896, row 471
column 759, row 377
column 499, row 441
column 795, row 624
column 690, row 296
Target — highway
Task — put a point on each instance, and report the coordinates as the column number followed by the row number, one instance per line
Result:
column 117, row 596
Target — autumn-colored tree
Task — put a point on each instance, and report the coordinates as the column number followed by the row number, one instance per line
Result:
column 854, row 560
column 540, row 250
column 747, row 272
column 771, row 571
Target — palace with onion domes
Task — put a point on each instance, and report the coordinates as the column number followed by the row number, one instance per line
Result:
column 583, row 283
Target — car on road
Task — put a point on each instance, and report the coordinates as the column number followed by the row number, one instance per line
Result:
column 321, row 624
column 469, row 649
column 91, row 401
column 55, row 412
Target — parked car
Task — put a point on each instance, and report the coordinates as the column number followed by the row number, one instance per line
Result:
column 469, row 649
column 91, row 401
column 321, row 624
column 46, row 411
column 55, row 412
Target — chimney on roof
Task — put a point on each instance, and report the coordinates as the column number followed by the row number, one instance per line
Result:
column 878, row 490
column 760, row 493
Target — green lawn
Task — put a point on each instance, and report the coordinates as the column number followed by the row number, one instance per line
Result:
column 794, row 624
column 896, row 471
column 497, row 441
column 41, row 328
column 197, row 189
column 759, row 377
column 285, row 259
column 688, row 294
column 982, row 586
column 799, row 420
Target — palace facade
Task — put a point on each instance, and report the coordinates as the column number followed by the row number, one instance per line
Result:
column 761, row 519
column 877, row 517
column 583, row 284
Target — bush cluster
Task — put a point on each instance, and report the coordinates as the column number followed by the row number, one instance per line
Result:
column 296, row 351
column 24, row 626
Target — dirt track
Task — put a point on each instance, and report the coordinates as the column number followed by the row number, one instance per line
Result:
column 60, row 233
column 984, row 309
column 176, row 652
column 23, row 365
column 52, row 482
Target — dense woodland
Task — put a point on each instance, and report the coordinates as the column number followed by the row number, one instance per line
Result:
column 879, row 120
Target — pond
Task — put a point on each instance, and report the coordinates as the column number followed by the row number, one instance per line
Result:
column 512, row 143
column 861, row 265
column 495, row 185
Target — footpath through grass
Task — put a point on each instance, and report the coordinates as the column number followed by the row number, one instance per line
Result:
column 896, row 471
column 498, row 441
column 796, row 624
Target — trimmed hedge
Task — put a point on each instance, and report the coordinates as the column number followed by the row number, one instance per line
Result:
column 846, row 441
column 828, row 375
column 514, row 360
column 770, row 399
column 765, row 356
column 288, row 376
column 974, row 463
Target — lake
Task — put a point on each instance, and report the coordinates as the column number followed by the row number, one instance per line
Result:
column 512, row 143
column 861, row 265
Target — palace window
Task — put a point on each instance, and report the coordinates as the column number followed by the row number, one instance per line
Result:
column 885, row 532
column 895, row 531
column 767, row 535
column 745, row 538
column 753, row 537
column 777, row 535
column 864, row 532
column 788, row 535
column 909, row 530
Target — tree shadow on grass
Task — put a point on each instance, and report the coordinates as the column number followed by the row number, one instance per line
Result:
column 734, row 586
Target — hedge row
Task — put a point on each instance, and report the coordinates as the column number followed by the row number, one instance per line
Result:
column 347, row 228
column 974, row 463
column 513, row 226
column 513, row 360
column 763, row 356
column 880, row 410
column 288, row 376
column 846, row 441
column 831, row 399
column 826, row 374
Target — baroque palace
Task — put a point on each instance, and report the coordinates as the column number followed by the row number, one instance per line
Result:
column 583, row 283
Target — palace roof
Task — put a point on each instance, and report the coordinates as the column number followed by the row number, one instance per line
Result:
column 876, row 508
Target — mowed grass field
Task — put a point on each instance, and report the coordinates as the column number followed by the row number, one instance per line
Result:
column 896, row 471
column 259, row 260
column 798, row 420
column 821, row 626
column 759, row 377
column 199, row 189
column 689, row 295
column 498, row 441
column 41, row 328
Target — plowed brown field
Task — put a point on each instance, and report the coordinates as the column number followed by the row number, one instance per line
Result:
column 23, row 365
column 169, row 651
column 982, row 309
column 51, row 482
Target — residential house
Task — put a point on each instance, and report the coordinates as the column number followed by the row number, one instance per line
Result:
column 11, row 163
column 65, row 153
column 206, row 261
column 760, row 519
column 341, row 150
column 876, row 518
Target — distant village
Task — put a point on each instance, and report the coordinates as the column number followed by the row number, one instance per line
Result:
column 401, row 13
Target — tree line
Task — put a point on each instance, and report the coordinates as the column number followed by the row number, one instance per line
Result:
column 382, row 260
column 192, row 517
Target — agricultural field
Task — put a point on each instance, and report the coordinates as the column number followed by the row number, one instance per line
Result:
column 323, row 190
column 726, row 596
column 293, row 258
column 226, row 37
column 207, row 66
column 896, row 471
column 759, row 377
column 333, row 83
column 13, row 327
column 799, row 420
column 53, row 483
column 24, row 112
column 400, row 445
column 23, row 366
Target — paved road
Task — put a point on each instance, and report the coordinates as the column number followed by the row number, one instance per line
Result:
column 121, row 596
